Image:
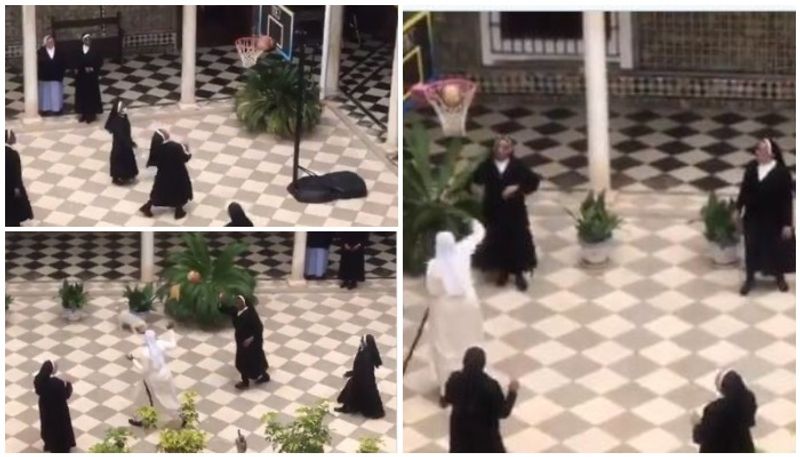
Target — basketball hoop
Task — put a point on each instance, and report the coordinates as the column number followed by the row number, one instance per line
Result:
column 451, row 99
column 250, row 48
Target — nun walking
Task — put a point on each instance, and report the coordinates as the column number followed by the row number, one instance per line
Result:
column 54, row 416
column 123, row 167
column 18, row 206
column 156, row 389
column 51, row 66
column 360, row 394
column 251, row 362
column 159, row 137
column 172, row 186
column 87, row 65
column 726, row 422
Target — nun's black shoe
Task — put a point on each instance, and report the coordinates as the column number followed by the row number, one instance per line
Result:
column 520, row 282
column 343, row 284
column 146, row 209
column 342, row 409
column 263, row 379
column 242, row 385
column 502, row 280
column 442, row 401
column 135, row 423
column 82, row 118
column 782, row 286
column 180, row 213
column 746, row 287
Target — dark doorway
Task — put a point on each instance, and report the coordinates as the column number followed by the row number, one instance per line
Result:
column 222, row 25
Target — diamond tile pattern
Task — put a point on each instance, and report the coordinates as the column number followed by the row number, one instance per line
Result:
column 616, row 359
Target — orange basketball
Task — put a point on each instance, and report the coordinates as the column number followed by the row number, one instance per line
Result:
column 451, row 95
column 194, row 277
column 265, row 43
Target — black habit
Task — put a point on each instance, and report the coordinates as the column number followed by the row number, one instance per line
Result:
column 726, row 422
column 50, row 69
column 123, row 161
column 238, row 216
column 18, row 207
column 360, row 394
column 251, row 362
column 156, row 142
column 508, row 244
column 478, row 405
column 351, row 262
column 767, row 208
column 319, row 240
column 172, row 186
column 54, row 415
column 87, row 83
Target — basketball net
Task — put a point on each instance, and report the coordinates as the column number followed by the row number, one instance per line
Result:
column 452, row 113
column 248, row 50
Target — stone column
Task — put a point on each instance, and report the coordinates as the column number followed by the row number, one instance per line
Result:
column 147, row 256
column 331, row 50
column 30, row 43
column 297, row 277
column 594, row 55
column 188, row 54
column 394, row 95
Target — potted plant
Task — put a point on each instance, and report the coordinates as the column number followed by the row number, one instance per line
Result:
column 435, row 198
column 188, row 412
column 307, row 433
column 149, row 416
column 9, row 301
column 369, row 444
column 194, row 279
column 140, row 300
column 115, row 442
column 267, row 101
column 73, row 299
column 189, row 438
column 721, row 229
column 595, row 225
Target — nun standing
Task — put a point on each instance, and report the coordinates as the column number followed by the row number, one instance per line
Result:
column 87, row 65
column 156, row 389
column 318, row 248
column 251, row 362
column 351, row 262
column 360, row 394
column 56, row 423
column 726, row 422
column 18, row 207
column 51, row 66
column 123, row 161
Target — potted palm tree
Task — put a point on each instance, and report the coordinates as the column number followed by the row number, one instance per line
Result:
column 140, row 300
column 435, row 198
column 73, row 299
column 721, row 229
column 595, row 225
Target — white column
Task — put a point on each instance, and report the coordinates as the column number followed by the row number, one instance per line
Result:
column 297, row 277
column 147, row 257
column 331, row 50
column 29, row 45
column 394, row 95
column 594, row 45
column 188, row 54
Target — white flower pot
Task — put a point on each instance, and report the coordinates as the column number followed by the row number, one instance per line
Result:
column 723, row 255
column 73, row 315
column 595, row 254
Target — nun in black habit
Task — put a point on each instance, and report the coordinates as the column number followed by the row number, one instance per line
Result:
column 351, row 261
column 508, row 247
column 766, row 201
column 172, row 186
column 87, row 64
column 726, row 422
column 251, row 362
column 478, row 405
column 18, row 207
column 123, row 161
column 54, row 415
column 238, row 217
column 360, row 394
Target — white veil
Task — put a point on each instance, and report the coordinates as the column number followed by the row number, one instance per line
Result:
column 452, row 264
column 157, row 361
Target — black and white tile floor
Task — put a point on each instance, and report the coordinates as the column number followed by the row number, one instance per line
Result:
column 652, row 149
column 114, row 256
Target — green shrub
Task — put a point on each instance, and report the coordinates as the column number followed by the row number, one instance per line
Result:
column 188, row 412
column 149, row 416
column 595, row 223
column 719, row 217
column 9, row 301
column 181, row 441
column 140, row 300
column 267, row 101
column 72, row 295
column 115, row 442
column 307, row 433
column 369, row 444
column 435, row 198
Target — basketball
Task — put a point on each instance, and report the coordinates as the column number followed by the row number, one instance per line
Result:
column 194, row 277
column 451, row 95
column 265, row 43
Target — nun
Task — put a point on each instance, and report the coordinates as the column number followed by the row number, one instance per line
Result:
column 455, row 317
column 478, row 405
column 360, row 395
column 318, row 247
column 726, row 422
column 51, row 66
column 54, row 417
column 251, row 362
column 18, row 206
column 87, row 67
column 238, row 217
column 123, row 161
column 172, row 186
column 159, row 137
column 351, row 261
column 157, row 388
column 765, row 204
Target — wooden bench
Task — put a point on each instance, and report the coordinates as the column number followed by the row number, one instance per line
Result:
column 106, row 46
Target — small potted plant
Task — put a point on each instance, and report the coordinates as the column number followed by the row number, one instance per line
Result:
column 595, row 225
column 721, row 229
column 369, row 445
column 307, row 433
column 73, row 299
column 140, row 300
column 115, row 442
column 149, row 417
column 189, row 438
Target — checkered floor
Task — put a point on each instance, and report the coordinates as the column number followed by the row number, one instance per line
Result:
column 153, row 79
column 310, row 340
column 653, row 148
column 65, row 168
column 48, row 256
column 615, row 360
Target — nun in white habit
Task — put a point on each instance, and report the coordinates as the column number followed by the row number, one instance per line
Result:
column 157, row 388
column 456, row 320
